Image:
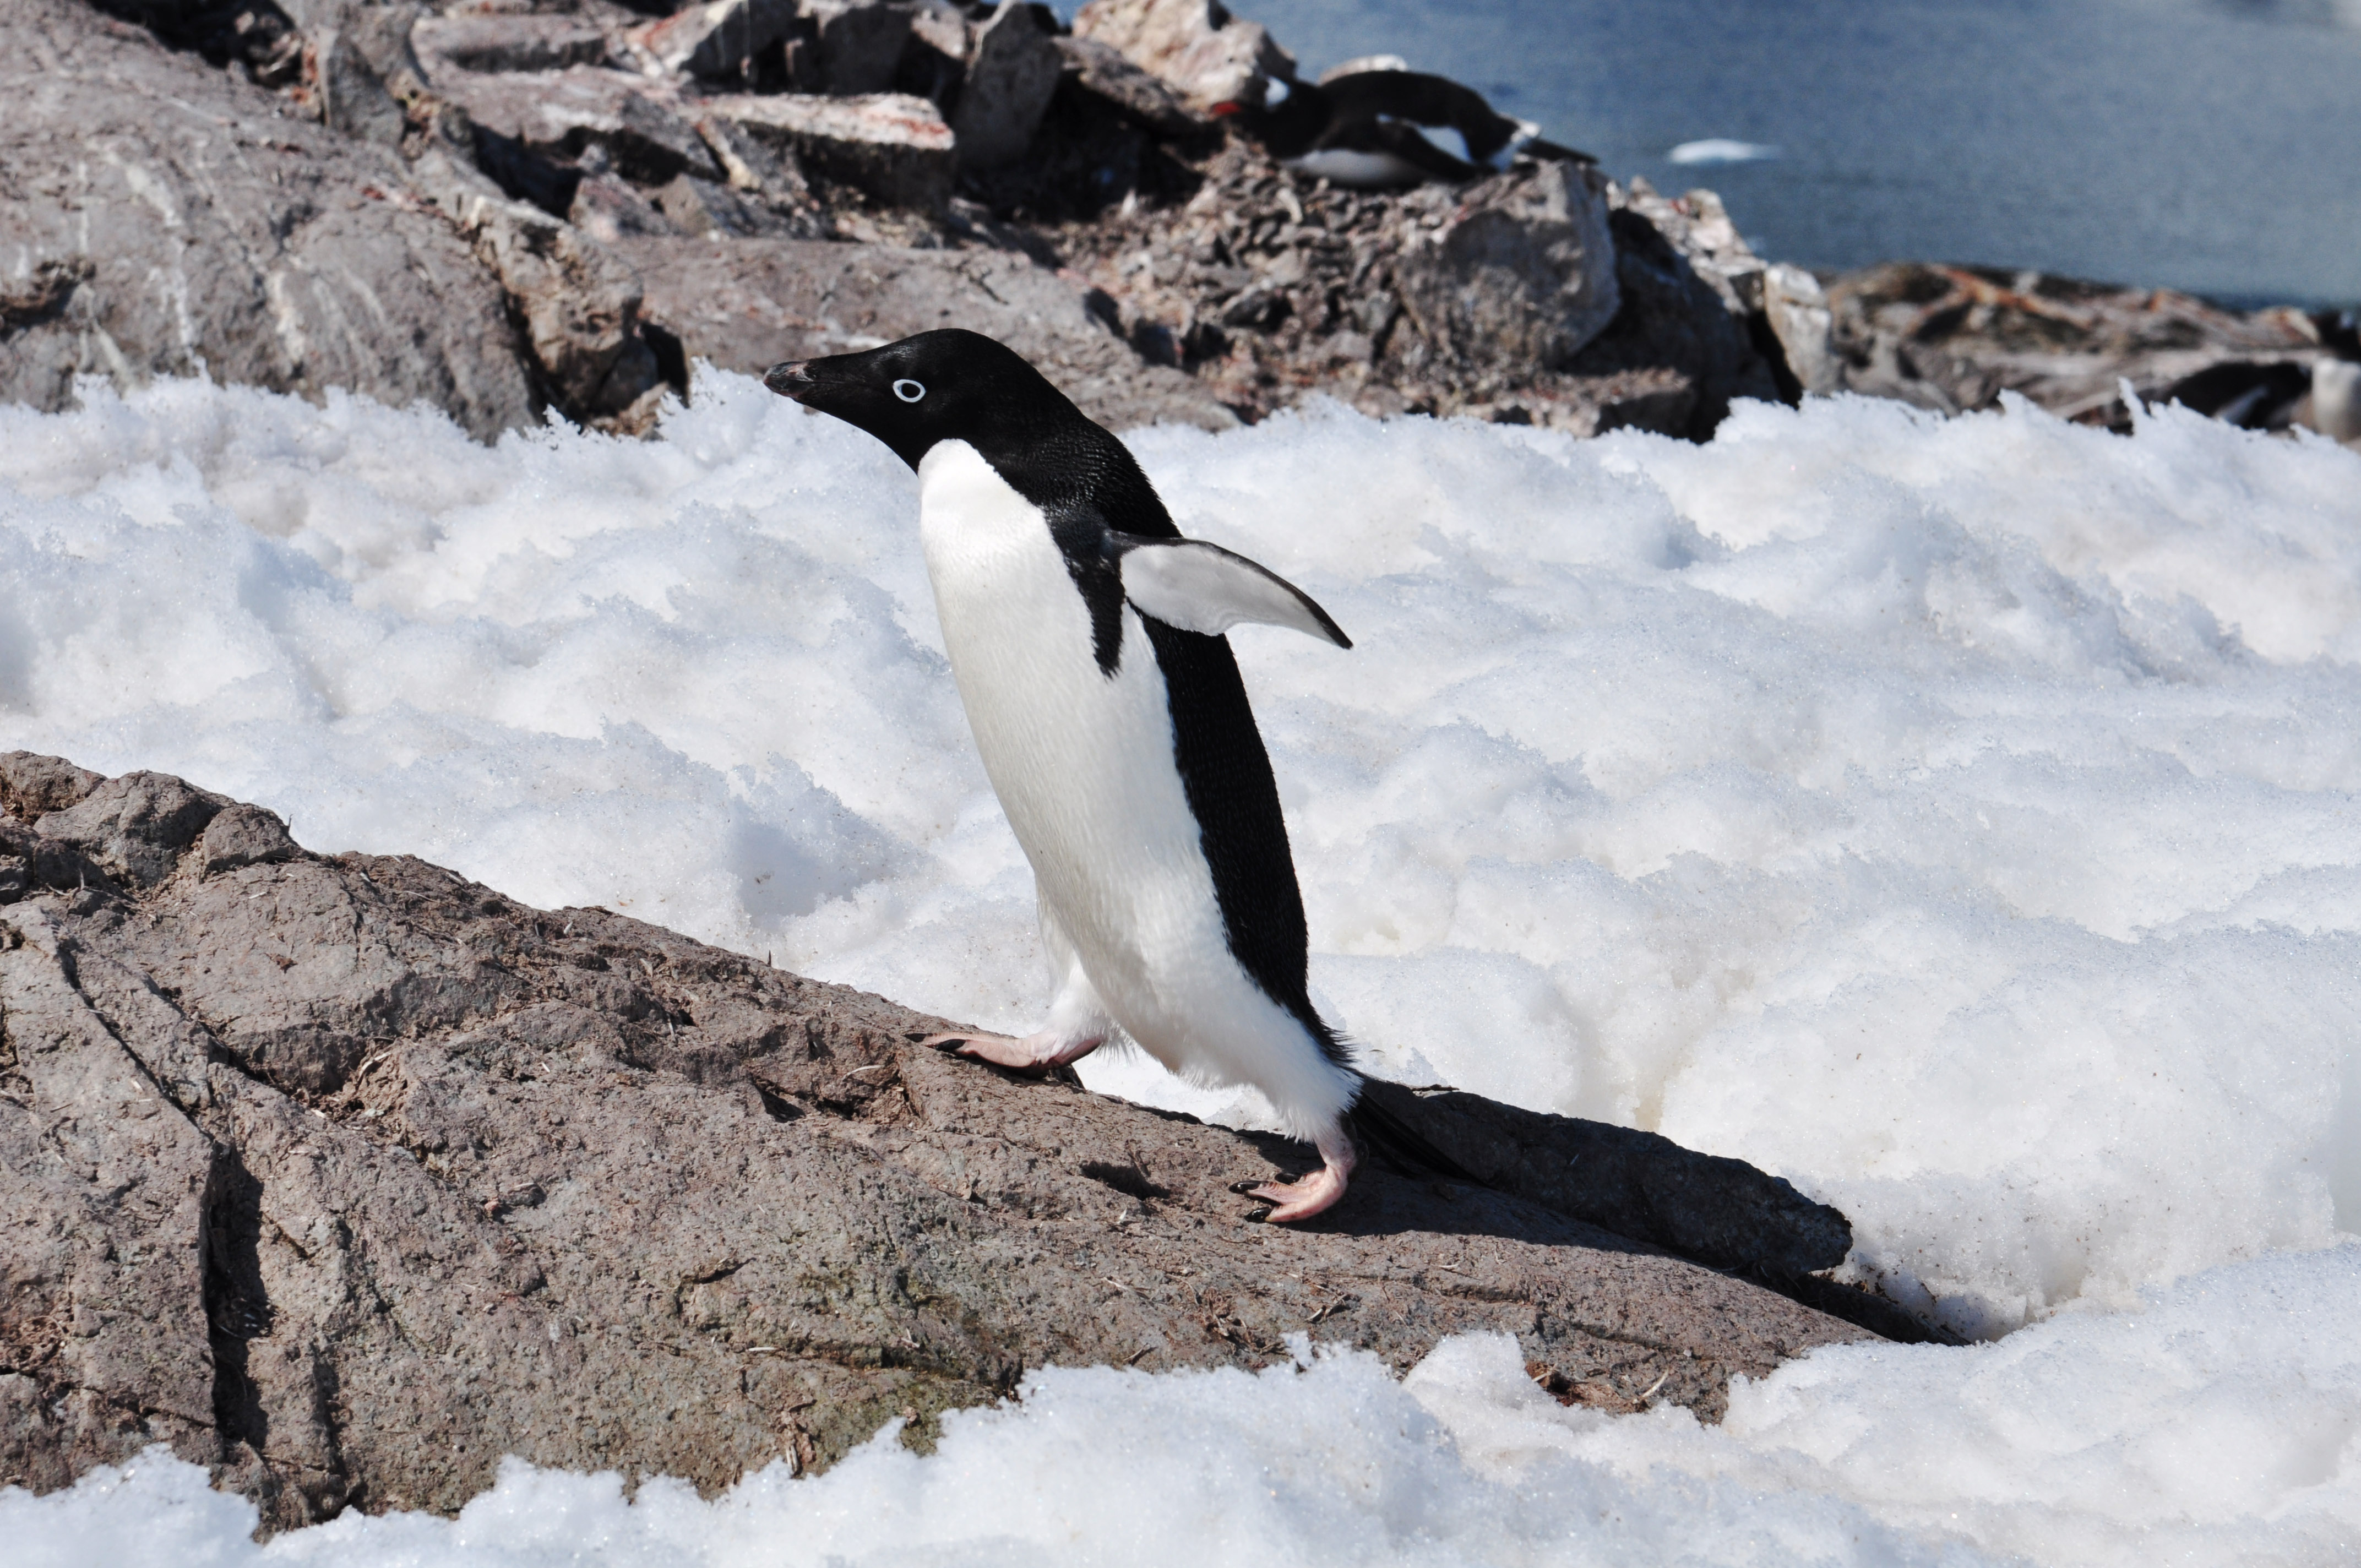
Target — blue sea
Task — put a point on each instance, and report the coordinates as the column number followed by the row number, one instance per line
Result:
column 2207, row 144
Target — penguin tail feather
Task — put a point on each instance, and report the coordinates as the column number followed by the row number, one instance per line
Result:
column 1376, row 1128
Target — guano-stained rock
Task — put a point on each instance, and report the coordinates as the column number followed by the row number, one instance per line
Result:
column 893, row 148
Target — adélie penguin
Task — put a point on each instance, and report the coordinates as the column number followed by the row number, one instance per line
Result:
column 1374, row 128
column 1085, row 635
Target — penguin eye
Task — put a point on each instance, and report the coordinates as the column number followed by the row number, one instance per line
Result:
column 909, row 392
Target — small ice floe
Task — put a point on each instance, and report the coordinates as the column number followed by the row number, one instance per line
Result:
column 1720, row 149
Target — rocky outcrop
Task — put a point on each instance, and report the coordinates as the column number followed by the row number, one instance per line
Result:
column 345, row 1177
column 434, row 203
column 1954, row 338
column 1544, row 295
column 163, row 220
column 747, row 306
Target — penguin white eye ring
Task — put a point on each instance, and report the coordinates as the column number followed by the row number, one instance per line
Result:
column 909, row 392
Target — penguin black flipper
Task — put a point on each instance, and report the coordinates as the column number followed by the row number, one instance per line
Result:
column 1404, row 140
column 1556, row 152
column 1424, row 100
column 1202, row 587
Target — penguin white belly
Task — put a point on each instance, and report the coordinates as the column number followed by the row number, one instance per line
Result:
column 1357, row 170
column 1083, row 764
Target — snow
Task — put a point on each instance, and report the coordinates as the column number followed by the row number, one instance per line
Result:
column 1957, row 818
column 1721, row 149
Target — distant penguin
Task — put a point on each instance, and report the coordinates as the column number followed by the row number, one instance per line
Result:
column 1374, row 128
column 2336, row 377
column 1086, row 638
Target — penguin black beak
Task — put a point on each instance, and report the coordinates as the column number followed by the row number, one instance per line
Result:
column 789, row 381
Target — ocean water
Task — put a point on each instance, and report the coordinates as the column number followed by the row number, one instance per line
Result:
column 2207, row 144
column 1961, row 818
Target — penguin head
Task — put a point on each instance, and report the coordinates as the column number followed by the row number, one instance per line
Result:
column 948, row 385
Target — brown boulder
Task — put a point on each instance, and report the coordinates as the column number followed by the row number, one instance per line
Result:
column 345, row 1177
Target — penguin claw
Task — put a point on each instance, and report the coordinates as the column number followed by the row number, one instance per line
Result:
column 1000, row 1051
column 1301, row 1199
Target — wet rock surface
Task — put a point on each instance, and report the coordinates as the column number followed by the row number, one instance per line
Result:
column 345, row 1175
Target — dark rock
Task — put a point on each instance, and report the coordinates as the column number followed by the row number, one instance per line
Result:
column 1673, row 318
column 346, row 1177
column 1010, row 77
column 749, row 305
column 1519, row 268
column 32, row 787
column 860, row 43
column 242, row 835
column 607, row 208
column 160, row 215
column 134, row 827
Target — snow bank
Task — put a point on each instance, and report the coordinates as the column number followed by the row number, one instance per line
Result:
column 1959, row 818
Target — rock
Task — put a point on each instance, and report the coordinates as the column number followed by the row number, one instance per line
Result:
column 747, row 306
column 134, row 828
column 1680, row 317
column 578, row 304
column 719, row 39
column 694, row 206
column 859, row 43
column 33, row 786
column 241, row 836
column 1010, row 77
column 1206, row 54
column 769, row 174
column 890, row 146
column 350, row 96
column 345, row 1177
column 606, row 209
column 1954, row 338
column 1521, row 269
column 498, row 42
column 161, row 216
column 1799, row 317
column 633, row 120
column 1098, row 68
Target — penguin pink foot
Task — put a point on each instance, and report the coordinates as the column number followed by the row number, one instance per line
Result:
column 1309, row 1195
column 1036, row 1052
